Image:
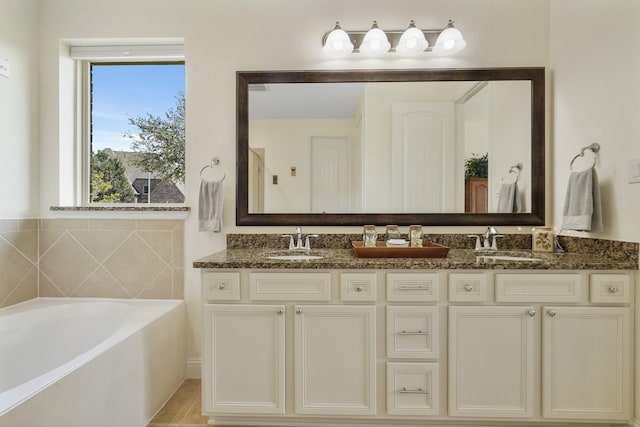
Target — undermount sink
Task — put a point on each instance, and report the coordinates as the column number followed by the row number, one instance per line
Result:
column 293, row 255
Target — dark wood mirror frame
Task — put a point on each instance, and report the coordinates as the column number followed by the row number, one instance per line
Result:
column 535, row 217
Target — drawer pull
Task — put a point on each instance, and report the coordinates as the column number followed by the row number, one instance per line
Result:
column 359, row 288
column 413, row 288
column 613, row 289
column 468, row 288
column 416, row 391
column 413, row 333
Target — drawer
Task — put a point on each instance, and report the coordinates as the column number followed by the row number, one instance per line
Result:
column 610, row 288
column 290, row 286
column 220, row 286
column 468, row 287
column 541, row 287
column 412, row 388
column 413, row 287
column 358, row 286
column 412, row 332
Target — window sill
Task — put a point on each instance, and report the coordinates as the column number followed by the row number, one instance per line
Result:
column 129, row 212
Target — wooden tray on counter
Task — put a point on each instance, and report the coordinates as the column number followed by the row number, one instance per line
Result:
column 428, row 250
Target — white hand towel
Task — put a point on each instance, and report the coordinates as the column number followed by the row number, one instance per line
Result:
column 509, row 198
column 582, row 206
column 210, row 206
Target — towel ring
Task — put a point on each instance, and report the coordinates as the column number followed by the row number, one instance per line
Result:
column 214, row 162
column 515, row 169
column 595, row 147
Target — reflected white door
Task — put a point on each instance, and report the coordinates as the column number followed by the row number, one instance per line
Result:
column 330, row 174
column 422, row 157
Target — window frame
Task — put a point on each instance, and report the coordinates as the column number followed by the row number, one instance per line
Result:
column 85, row 57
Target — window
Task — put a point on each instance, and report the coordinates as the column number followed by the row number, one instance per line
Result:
column 133, row 134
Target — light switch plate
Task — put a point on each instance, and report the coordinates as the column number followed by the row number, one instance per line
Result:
column 5, row 69
column 634, row 171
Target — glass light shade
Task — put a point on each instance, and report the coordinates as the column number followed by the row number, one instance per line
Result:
column 450, row 41
column 338, row 43
column 375, row 42
column 412, row 41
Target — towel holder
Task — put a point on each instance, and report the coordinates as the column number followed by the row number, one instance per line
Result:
column 515, row 169
column 214, row 162
column 595, row 147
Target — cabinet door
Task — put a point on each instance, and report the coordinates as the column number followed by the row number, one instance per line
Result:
column 491, row 353
column 243, row 366
column 335, row 352
column 586, row 363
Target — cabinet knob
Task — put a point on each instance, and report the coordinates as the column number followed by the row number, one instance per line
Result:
column 280, row 311
column 468, row 288
column 531, row 313
column 359, row 288
column 613, row 289
column 298, row 310
column 551, row 313
column 221, row 286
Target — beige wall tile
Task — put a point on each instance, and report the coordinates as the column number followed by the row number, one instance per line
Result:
column 161, row 242
column 27, row 289
column 178, row 246
column 13, row 268
column 48, row 289
column 157, row 224
column 101, row 243
column 134, row 264
column 64, row 224
column 161, row 287
column 67, row 264
column 178, row 283
column 24, row 241
column 101, row 285
column 112, row 224
column 46, row 239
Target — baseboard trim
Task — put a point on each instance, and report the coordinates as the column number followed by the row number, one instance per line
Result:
column 194, row 368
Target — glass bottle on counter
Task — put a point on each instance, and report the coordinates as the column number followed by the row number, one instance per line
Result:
column 369, row 236
column 415, row 236
column 393, row 232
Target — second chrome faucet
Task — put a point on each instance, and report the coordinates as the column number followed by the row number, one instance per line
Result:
column 297, row 245
column 489, row 240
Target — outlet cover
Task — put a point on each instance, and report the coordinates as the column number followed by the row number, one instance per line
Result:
column 5, row 69
column 634, row 171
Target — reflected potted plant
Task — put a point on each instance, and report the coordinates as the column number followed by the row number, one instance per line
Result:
column 476, row 166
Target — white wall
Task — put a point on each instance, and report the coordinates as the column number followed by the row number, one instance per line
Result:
column 19, row 109
column 595, row 67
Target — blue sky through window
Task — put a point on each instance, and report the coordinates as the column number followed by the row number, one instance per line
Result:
column 124, row 91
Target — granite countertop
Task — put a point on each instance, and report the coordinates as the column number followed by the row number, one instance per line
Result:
column 455, row 259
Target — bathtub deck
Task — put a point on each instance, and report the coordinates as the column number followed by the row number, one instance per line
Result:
column 183, row 409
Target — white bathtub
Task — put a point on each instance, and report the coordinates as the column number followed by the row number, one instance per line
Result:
column 89, row 361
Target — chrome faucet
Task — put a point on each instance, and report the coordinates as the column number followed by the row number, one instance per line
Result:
column 296, row 245
column 489, row 240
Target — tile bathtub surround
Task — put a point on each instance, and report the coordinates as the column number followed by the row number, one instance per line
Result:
column 111, row 258
column 18, row 260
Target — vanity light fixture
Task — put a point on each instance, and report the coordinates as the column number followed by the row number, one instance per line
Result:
column 410, row 42
column 375, row 42
column 337, row 43
column 450, row 41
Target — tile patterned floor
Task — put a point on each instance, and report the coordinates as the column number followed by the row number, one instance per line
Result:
column 183, row 409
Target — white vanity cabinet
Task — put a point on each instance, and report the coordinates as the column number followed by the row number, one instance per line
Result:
column 491, row 361
column 244, row 350
column 334, row 359
column 405, row 347
column 586, row 362
column 576, row 352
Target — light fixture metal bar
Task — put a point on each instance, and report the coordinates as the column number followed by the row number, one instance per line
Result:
column 393, row 36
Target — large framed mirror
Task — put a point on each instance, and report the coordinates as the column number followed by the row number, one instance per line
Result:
column 424, row 146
